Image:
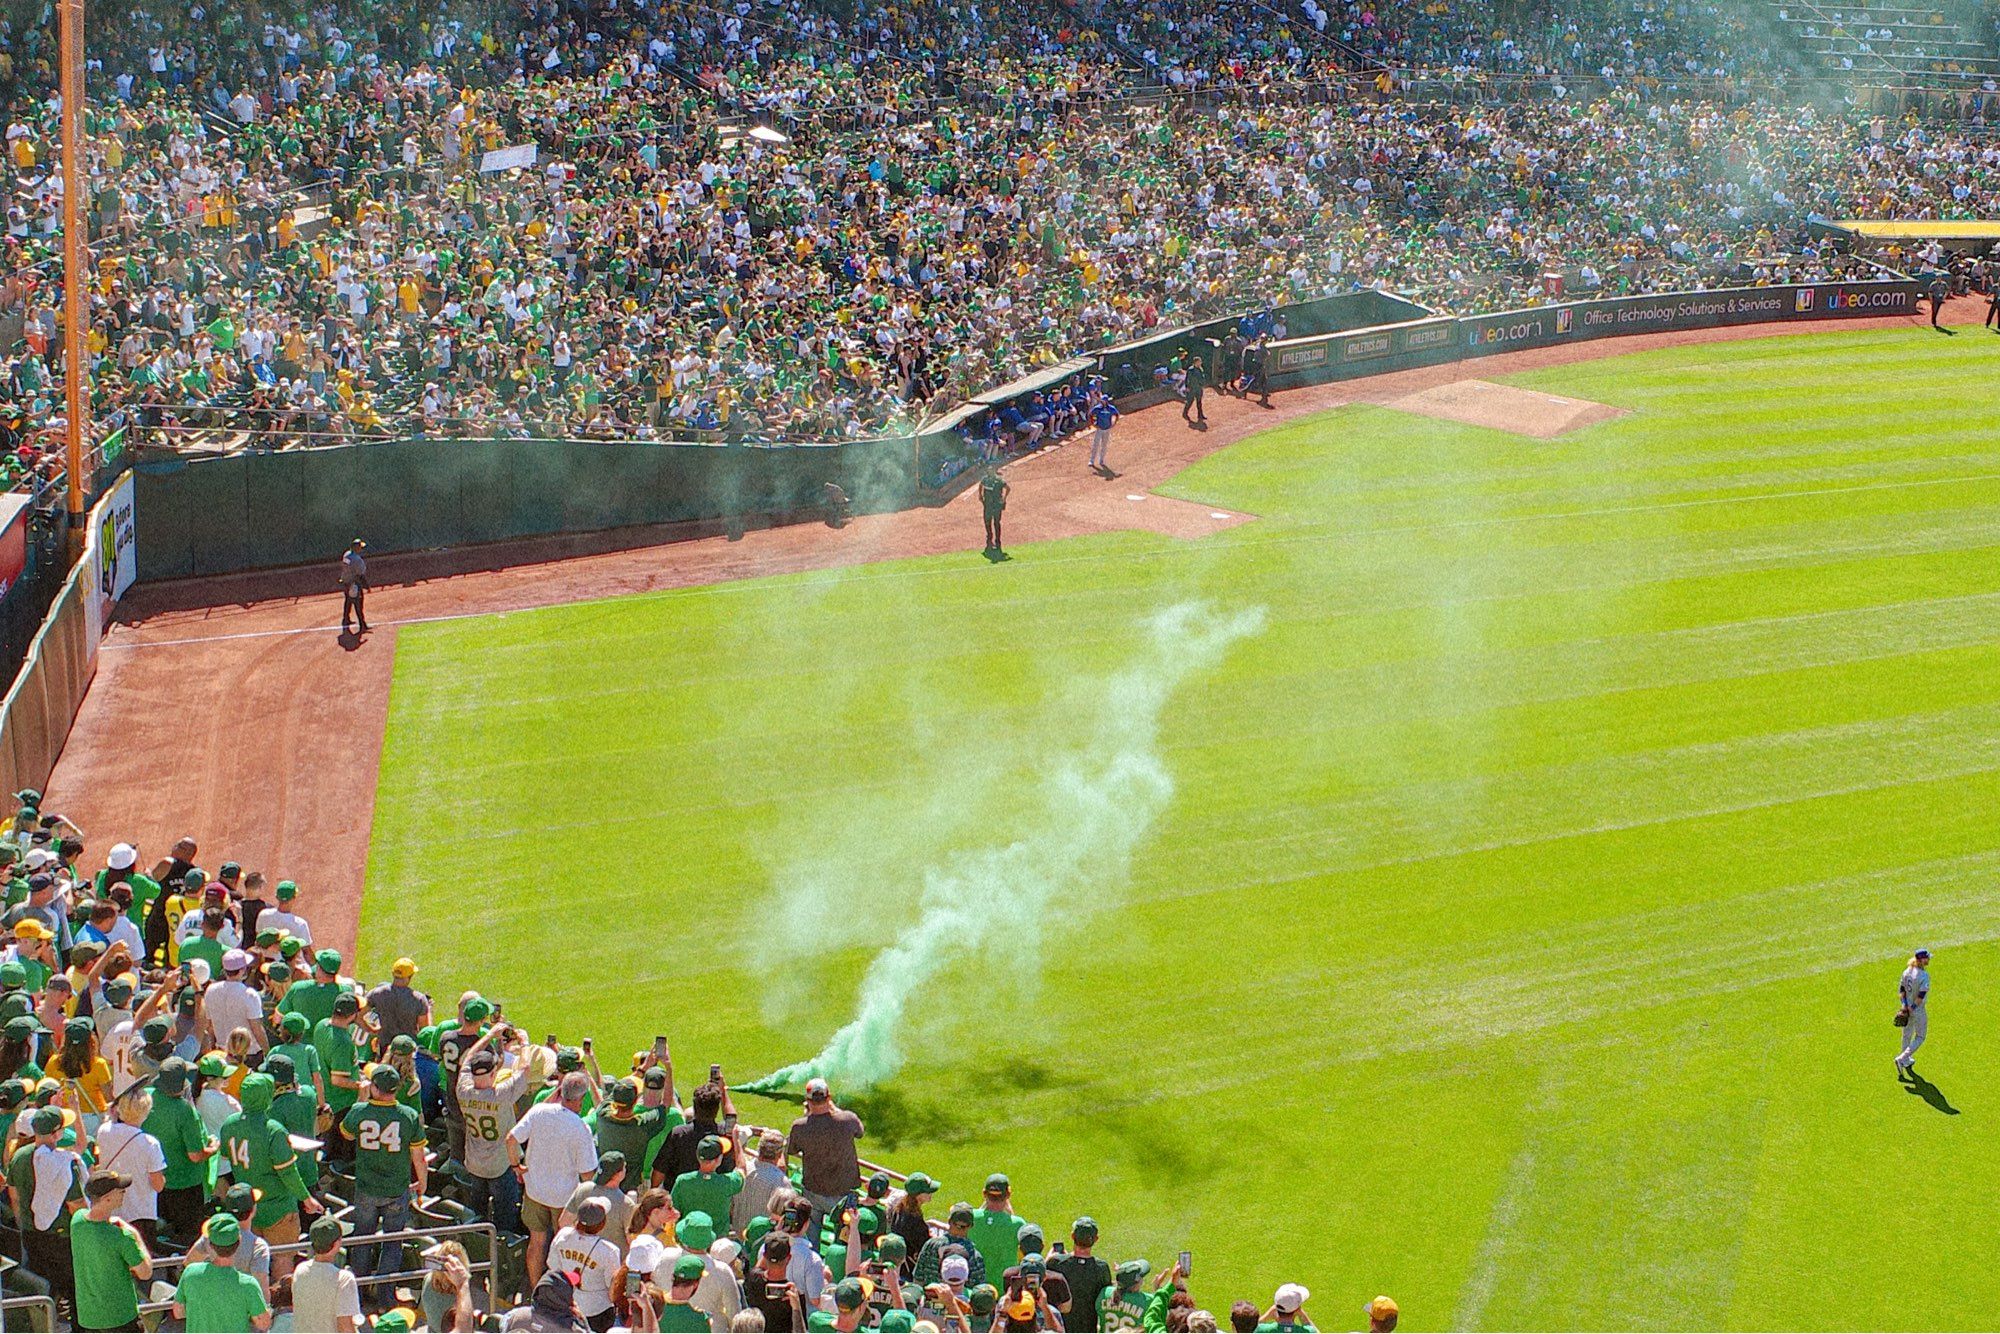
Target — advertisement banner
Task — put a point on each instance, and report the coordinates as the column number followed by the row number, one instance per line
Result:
column 13, row 539
column 111, row 555
column 1668, row 311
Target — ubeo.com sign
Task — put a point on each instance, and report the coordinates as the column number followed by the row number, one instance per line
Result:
column 1669, row 311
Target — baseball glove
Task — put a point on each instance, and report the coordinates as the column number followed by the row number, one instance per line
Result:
column 1903, row 1017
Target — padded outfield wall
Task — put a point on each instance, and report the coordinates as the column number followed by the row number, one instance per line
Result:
column 220, row 515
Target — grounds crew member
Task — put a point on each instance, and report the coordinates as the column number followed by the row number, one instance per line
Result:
column 353, row 580
column 993, row 490
column 1915, row 1016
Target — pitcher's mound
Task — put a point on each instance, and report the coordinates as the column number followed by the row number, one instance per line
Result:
column 1505, row 408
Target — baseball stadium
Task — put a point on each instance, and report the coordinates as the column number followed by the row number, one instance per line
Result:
column 950, row 667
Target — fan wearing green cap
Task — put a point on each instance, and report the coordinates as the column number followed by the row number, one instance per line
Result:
column 283, row 918
column 1123, row 1305
column 337, row 1038
column 678, row 1315
column 295, row 1041
column 707, row 1189
column 622, row 1126
column 257, row 1152
column 187, row 1147
column 216, row 1297
column 314, row 996
column 297, row 1110
column 163, row 923
column 47, row 1179
column 454, row 1045
column 390, row 1157
column 957, row 1240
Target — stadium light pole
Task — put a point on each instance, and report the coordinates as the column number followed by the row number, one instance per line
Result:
column 75, row 303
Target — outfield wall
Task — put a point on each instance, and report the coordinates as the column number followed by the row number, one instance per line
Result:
column 36, row 714
column 220, row 515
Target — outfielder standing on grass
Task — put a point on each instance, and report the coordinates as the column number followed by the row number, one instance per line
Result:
column 1915, row 1016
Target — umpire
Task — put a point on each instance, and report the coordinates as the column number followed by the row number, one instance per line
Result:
column 353, row 579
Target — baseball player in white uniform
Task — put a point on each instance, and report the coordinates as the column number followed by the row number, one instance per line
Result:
column 1915, row 989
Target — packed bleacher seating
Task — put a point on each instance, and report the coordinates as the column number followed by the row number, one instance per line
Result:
column 792, row 219
column 209, row 1119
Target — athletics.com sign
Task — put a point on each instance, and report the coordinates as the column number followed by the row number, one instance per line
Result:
column 1669, row 311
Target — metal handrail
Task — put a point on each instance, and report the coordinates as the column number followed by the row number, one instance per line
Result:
column 432, row 1234
column 45, row 1305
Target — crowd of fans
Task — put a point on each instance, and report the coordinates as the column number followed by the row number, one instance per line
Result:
column 294, row 236
column 203, row 1110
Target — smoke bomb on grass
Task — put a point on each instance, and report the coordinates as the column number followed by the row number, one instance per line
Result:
column 1098, row 799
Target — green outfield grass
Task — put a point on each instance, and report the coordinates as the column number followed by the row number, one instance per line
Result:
column 1521, row 939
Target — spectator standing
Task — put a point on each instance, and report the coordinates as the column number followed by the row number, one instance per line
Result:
column 453, row 1049
column 1287, row 1312
column 823, row 1140
column 233, row 1003
column 325, row 1294
column 678, row 1315
column 624, row 1127
column 708, row 1189
column 109, row 1258
column 186, row 1147
column 765, row 1177
column 216, row 1297
column 608, row 1190
column 1088, row 1276
column 338, row 1045
column 282, row 919
column 490, row 1086
column 297, row 1110
column 1123, row 1306
column 124, row 1146
column 996, row 1228
column 767, row 1290
column 257, row 1153
column 583, row 1250
column 390, row 1160
column 400, row 1010
column 714, row 1114
column 52, row 1189
column 551, row 1150
column 957, row 1240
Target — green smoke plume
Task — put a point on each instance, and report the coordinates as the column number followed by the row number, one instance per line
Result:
column 1099, row 798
